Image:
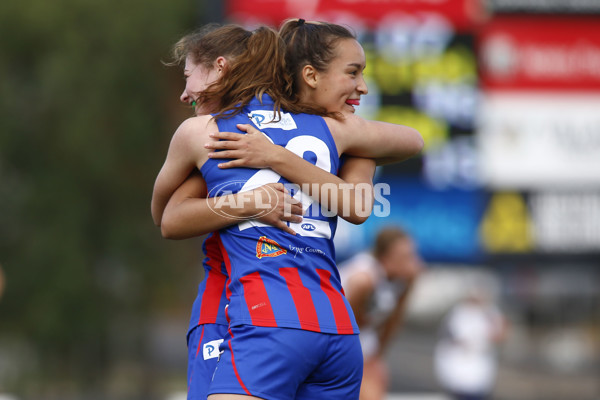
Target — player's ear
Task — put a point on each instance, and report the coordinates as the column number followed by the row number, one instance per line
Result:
column 310, row 76
column 220, row 63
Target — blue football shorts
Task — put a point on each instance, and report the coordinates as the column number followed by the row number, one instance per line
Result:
column 203, row 354
column 287, row 364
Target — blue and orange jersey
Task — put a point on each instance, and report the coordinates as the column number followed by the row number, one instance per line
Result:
column 277, row 279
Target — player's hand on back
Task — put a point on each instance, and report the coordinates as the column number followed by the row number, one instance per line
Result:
column 279, row 207
column 251, row 150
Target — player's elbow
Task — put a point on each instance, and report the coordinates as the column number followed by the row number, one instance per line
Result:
column 168, row 229
column 167, row 232
column 156, row 209
column 356, row 219
column 362, row 207
column 155, row 215
column 358, row 215
column 156, row 219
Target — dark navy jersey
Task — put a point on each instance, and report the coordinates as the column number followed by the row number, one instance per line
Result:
column 277, row 279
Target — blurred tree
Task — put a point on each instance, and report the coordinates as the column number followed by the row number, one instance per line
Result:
column 86, row 112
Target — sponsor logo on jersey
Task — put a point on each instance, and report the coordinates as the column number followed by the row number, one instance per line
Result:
column 266, row 247
column 301, row 250
column 308, row 227
column 211, row 349
column 269, row 119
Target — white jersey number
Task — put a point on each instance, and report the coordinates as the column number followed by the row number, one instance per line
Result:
column 298, row 145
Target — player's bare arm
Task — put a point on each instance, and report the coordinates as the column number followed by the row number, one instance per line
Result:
column 185, row 153
column 385, row 142
column 350, row 193
column 190, row 213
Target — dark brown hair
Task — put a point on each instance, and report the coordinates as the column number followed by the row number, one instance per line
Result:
column 255, row 66
column 310, row 43
column 385, row 238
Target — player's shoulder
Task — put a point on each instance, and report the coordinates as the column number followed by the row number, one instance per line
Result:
column 360, row 268
column 198, row 122
column 194, row 127
column 346, row 119
column 358, row 283
column 347, row 125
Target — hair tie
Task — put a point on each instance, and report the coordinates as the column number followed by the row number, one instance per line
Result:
column 301, row 22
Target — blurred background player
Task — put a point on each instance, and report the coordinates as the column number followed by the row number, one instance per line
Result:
column 377, row 285
column 465, row 356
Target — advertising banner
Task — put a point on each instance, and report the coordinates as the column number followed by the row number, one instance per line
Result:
column 544, row 6
column 478, row 226
column 461, row 13
column 540, row 53
column 539, row 141
column 444, row 223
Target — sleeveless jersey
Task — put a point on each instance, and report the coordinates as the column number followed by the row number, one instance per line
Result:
column 277, row 279
column 209, row 306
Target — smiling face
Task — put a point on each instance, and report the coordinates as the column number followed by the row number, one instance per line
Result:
column 197, row 78
column 340, row 86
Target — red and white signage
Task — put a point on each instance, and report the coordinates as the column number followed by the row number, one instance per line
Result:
column 461, row 13
column 541, row 52
column 539, row 120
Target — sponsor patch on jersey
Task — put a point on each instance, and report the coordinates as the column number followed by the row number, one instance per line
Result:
column 269, row 119
column 266, row 247
column 308, row 227
column 211, row 349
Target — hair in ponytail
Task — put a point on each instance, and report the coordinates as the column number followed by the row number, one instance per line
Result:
column 259, row 69
column 310, row 43
column 256, row 64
